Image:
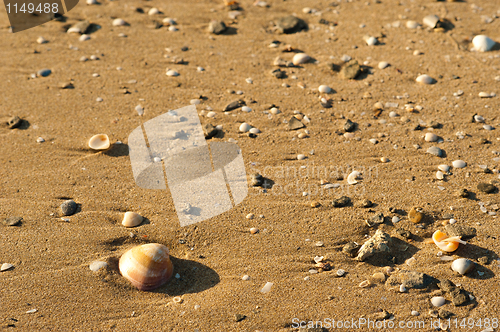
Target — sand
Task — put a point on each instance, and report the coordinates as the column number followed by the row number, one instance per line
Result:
column 51, row 257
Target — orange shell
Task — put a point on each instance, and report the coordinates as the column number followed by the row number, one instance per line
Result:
column 445, row 243
column 147, row 266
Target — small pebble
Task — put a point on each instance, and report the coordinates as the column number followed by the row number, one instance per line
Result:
column 43, row 72
column 41, row 40
column 245, row 127
column 172, row 73
column 245, row 277
column 438, row 301
column 324, row 89
column 250, row 216
column 301, row 157
column 68, row 207
column 431, row 137
column 254, row 230
column 383, row 65
column 425, row 79
column 434, row 150
column 119, row 22
column 459, row 164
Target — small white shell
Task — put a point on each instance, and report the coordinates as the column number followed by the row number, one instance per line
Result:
column 444, row 168
column 439, row 175
column 172, row 73
column 99, row 142
column 169, row 21
column 246, row 109
column 483, row 94
column 254, row 131
column 438, row 301
column 370, row 41
column 119, row 22
column 97, row 265
column 412, row 24
column 431, row 137
column 459, row 164
column 132, row 219
column 301, row 156
column 6, row 266
column 431, row 21
column 425, row 79
column 483, row 43
column 462, row 265
column 267, row 287
column 324, row 89
column 153, row 11
column 318, row 259
column 300, row 58
column 383, row 64
column 351, row 178
column 478, row 118
column 244, row 127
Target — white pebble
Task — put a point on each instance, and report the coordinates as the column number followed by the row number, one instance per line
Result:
column 301, row 157
column 200, row 69
column 119, row 22
column 254, row 131
column 431, row 137
column 444, row 168
column 172, row 72
column 438, row 301
column 246, row 109
column 267, row 287
column 245, row 277
column 478, row 118
column 459, row 164
column 91, row 2
column 300, row 58
column 83, row 38
column 488, row 127
column 425, row 79
column 41, row 40
column 395, row 219
column 6, row 266
column 40, row 140
column 172, row 28
column 373, row 141
column 439, row 175
column 415, row 313
column 402, row 289
column 97, row 265
column 324, row 89
column 244, row 127
column 211, row 114
column 153, row 11
column 431, row 21
column 383, row 64
column 370, row 41
column 412, row 24
column 483, row 43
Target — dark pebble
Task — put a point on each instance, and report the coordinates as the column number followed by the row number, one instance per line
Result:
column 366, row 203
column 378, row 218
column 295, row 123
column 217, row 27
column 341, row 202
column 465, row 232
column 256, row 179
column 484, row 260
column 444, row 314
column 14, row 122
column 403, row 233
column 464, row 193
column 278, row 73
column 239, row 317
column 209, row 131
column 234, row 105
column 486, row 187
column 459, row 297
column 446, row 285
column 349, row 125
column 290, row 24
column 351, row 249
column 44, row 72
column 12, row 221
column 68, row 207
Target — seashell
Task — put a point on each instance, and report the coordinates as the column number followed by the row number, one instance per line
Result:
column 365, row 284
column 147, row 266
column 244, row 127
column 445, row 243
column 425, row 79
column 370, row 41
column 254, row 230
column 132, row 219
column 438, row 301
column 177, row 299
column 254, row 131
column 267, row 287
column 431, row 21
column 97, row 265
column 340, row 272
column 318, row 259
column 119, row 22
column 99, row 142
column 431, row 137
column 415, row 215
column 383, row 64
column 483, row 94
column 412, row 24
column 478, row 118
column 459, row 164
column 246, row 109
column 351, row 178
column 169, row 21
column 153, row 11
column 444, row 168
column 300, row 58
column 172, row 73
column 6, row 267
column 483, row 43
column 324, row 89
column 439, row 175
column 462, row 265
column 402, row 288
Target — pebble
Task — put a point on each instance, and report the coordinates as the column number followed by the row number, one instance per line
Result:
column 478, row 118
column 172, row 73
column 83, row 38
column 153, row 11
column 267, row 287
column 6, row 267
column 301, row 157
column 43, row 72
column 425, row 79
column 350, row 70
column 245, row 127
column 431, row 137
column 459, row 164
column 340, row 272
column 486, row 187
column 254, row 230
column 434, row 150
column 483, row 43
column 431, row 21
column 395, row 219
column 438, row 301
column 31, row 311
column 295, row 123
column 462, row 265
column 365, row 284
column 439, row 175
column 119, row 22
column 351, row 248
column 12, row 221
column 256, row 179
column 97, row 265
column 246, row 109
column 290, row 24
column 378, row 277
column 412, row 24
column 169, row 21
column 250, row 216
column 300, row 58
column 324, row 89
column 415, row 313
column 383, row 64
column 14, row 122
column 465, row 232
column 402, row 289
column 444, row 168
column 40, row 140
column 68, row 207
column 41, row 40
column 384, row 160
column 370, row 41
column 415, row 215
column 486, row 95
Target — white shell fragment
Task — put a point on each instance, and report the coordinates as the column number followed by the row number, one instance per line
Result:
column 462, row 265
column 244, row 127
column 301, row 156
column 267, row 287
column 438, row 301
column 425, row 79
column 99, row 142
column 132, row 219
column 444, row 168
column 412, row 24
column 172, row 73
column 383, row 64
column 153, row 11
column 439, row 175
column 483, row 43
column 119, row 22
column 300, row 58
column 97, row 265
column 6, row 267
column 459, row 164
column 431, row 21
column 324, row 89
column 370, row 41
column 351, row 178
column 486, row 94
column 246, row 109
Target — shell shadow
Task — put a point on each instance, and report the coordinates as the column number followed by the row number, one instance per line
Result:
column 117, row 150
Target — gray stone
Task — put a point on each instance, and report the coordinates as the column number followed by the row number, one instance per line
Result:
column 234, row 105
column 444, row 314
column 81, row 27
column 465, row 232
column 434, row 150
column 409, row 279
column 378, row 218
column 365, row 203
column 290, row 24
column 350, row 70
column 459, row 297
column 12, row 221
column 44, row 72
column 464, row 193
column 446, row 285
column 379, row 243
column 403, row 233
column 278, row 73
column 295, row 123
column 239, row 317
column 341, row 202
column 351, row 248
column 349, row 125
column 14, row 122
column 217, row 27
column 68, row 207
column 209, row 131
column 486, row 187
column 256, row 179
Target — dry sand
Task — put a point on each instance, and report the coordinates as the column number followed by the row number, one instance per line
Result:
column 51, row 257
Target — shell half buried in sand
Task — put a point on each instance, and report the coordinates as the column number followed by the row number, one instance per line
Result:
column 445, row 243
column 132, row 219
column 147, row 266
column 99, row 142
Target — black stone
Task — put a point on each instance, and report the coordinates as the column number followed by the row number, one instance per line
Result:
column 234, row 105
column 349, row 126
column 209, row 131
column 68, row 207
column 341, row 202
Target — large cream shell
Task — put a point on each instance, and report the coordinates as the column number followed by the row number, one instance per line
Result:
column 132, row 219
column 300, row 58
column 445, row 243
column 147, row 266
column 99, row 142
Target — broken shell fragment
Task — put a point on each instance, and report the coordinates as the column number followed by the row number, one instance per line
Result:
column 351, row 178
column 132, row 219
column 370, row 41
column 147, row 266
column 462, row 265
column 99, row 142
column 445, row 243
column 431, row 21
